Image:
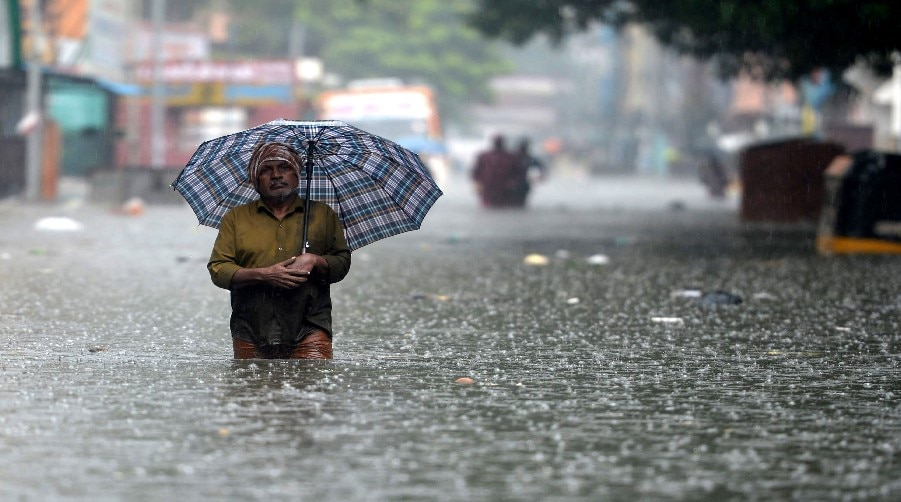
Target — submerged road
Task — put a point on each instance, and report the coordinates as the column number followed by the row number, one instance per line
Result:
column 602, row 367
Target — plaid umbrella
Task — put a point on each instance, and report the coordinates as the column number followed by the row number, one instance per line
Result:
column 377, row 188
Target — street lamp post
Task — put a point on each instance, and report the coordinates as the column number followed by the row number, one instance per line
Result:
column 34, row 98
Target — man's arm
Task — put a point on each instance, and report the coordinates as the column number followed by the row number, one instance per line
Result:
column 281, row 275
column 223, row 262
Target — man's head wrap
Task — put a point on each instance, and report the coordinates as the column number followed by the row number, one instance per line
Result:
column 271, row 151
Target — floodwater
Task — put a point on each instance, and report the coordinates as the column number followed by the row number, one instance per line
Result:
column 599, row 373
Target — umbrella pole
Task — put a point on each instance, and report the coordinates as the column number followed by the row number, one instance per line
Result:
column 306, row 199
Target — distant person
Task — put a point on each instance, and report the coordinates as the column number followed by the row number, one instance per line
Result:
column 498, row 176
column 530, row 169
column 281, row 306
column 714, row 177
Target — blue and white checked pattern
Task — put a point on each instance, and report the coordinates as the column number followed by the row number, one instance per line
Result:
column 376, row 187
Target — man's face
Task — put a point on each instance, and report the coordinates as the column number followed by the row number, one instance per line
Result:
column 276, row 180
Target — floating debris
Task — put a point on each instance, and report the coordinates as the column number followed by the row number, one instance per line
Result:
column 465, row 381
column 457, row 238
column 422, row 296
column 536, row 260
column 719, row 297
column 133, row 207
column 777, row 352
column 668, row 320
column 58, row 224
column 572, row 301
column 598, row 259
column 677, row 205
column 687, row 293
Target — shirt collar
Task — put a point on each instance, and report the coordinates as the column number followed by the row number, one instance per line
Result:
column 298, row 205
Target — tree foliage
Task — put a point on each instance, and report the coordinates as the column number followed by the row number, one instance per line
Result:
column 772, row 38
column 426, row 41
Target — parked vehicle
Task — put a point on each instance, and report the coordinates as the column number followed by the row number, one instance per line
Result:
column 405, row 114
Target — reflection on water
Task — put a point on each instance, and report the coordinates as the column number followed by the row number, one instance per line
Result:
column 118, row 382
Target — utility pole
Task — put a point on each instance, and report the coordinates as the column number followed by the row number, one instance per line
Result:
column 157, row 103
column 34, row 104
column 896, row 100
column 132, row 107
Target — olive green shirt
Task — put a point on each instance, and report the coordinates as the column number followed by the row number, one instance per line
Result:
column 250, row 236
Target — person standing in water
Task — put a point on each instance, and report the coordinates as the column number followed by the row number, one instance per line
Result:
column 280, row 296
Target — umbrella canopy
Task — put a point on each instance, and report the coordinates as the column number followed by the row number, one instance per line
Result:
column 377, row 188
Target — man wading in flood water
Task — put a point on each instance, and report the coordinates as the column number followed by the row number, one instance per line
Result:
column 281, row 305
